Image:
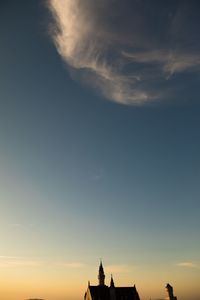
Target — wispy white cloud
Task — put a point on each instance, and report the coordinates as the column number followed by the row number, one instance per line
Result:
column 14, row 261
column 8, row 257
column 188, row 264
column 72, row 265
column 168, row 61
column 126, row 63
column 17, row 261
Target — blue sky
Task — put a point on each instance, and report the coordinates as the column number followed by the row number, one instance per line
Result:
column 99, row 143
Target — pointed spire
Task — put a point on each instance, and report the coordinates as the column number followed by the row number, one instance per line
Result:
column 112, row 282
column 101, row 275
column 100, row 266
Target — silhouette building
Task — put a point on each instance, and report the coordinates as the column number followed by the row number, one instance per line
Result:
column 104, row 292
column 170, row 292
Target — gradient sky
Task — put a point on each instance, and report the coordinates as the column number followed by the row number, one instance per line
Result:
column 99, row 146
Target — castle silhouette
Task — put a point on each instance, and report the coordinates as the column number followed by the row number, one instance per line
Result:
column 104, row 292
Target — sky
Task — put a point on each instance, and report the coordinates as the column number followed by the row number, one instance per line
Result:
column 99, row 147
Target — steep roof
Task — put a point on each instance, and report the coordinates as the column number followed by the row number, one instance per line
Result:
column 121, row 293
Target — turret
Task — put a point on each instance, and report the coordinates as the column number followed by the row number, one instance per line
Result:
column 112, row 289
column 112, row 282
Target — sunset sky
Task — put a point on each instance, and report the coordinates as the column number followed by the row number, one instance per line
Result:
column 99, row 147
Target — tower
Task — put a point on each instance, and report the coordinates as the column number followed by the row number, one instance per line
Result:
column 170, row 292
column 101, row 275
